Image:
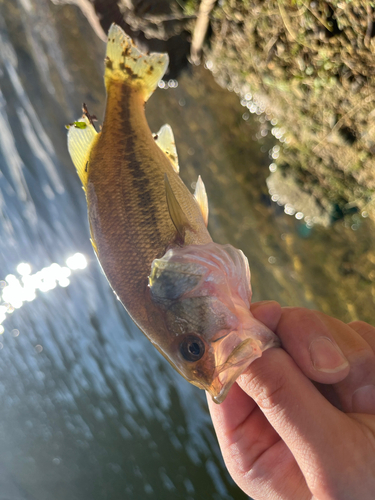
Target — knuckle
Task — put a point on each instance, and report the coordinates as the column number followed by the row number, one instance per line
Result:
column 327, row 488
column 269, row 397
column 362, row 328
column 270, row 400
column 298, row 315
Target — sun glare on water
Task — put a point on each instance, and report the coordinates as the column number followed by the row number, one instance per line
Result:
column 16, row 290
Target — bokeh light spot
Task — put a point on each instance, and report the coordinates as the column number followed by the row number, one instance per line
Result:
column 24, row 269
column 14, row 292
column 76, row 261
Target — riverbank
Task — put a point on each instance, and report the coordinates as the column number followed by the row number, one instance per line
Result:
column 312, row 67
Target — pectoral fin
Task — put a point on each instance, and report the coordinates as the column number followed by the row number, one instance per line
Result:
column 81, row 137
column 178, row 217
column 201, row 197
column 165, row 140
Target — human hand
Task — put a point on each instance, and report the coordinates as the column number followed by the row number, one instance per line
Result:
column 285, row 437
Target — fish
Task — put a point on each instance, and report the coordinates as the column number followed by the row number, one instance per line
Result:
column 189, row 295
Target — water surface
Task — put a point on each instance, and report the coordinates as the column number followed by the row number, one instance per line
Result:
column 89, row 409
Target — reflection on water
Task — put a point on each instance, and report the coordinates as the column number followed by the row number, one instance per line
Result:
column 89, row 409
column 16, row 291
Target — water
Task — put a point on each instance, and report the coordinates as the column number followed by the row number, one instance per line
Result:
column 89, row 409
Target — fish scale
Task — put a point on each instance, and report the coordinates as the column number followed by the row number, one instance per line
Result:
column 135, row 225
column 150, row 236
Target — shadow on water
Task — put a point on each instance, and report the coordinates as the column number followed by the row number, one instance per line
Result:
column 89, row 409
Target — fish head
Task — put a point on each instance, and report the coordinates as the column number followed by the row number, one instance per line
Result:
column 204, row 294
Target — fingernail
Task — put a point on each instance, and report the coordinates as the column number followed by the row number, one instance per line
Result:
column 363, row 400
column 327, row 356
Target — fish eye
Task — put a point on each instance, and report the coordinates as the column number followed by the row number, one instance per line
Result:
column 192, row 348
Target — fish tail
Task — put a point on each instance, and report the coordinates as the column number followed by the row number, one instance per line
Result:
column 125, row 63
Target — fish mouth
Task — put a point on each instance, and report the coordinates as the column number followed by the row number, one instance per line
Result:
column 227, row 373
column 240, row 357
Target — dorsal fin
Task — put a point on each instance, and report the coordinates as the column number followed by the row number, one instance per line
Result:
column 81, row 137
column 176, row 213
column 165, row 140
column 201, row 196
